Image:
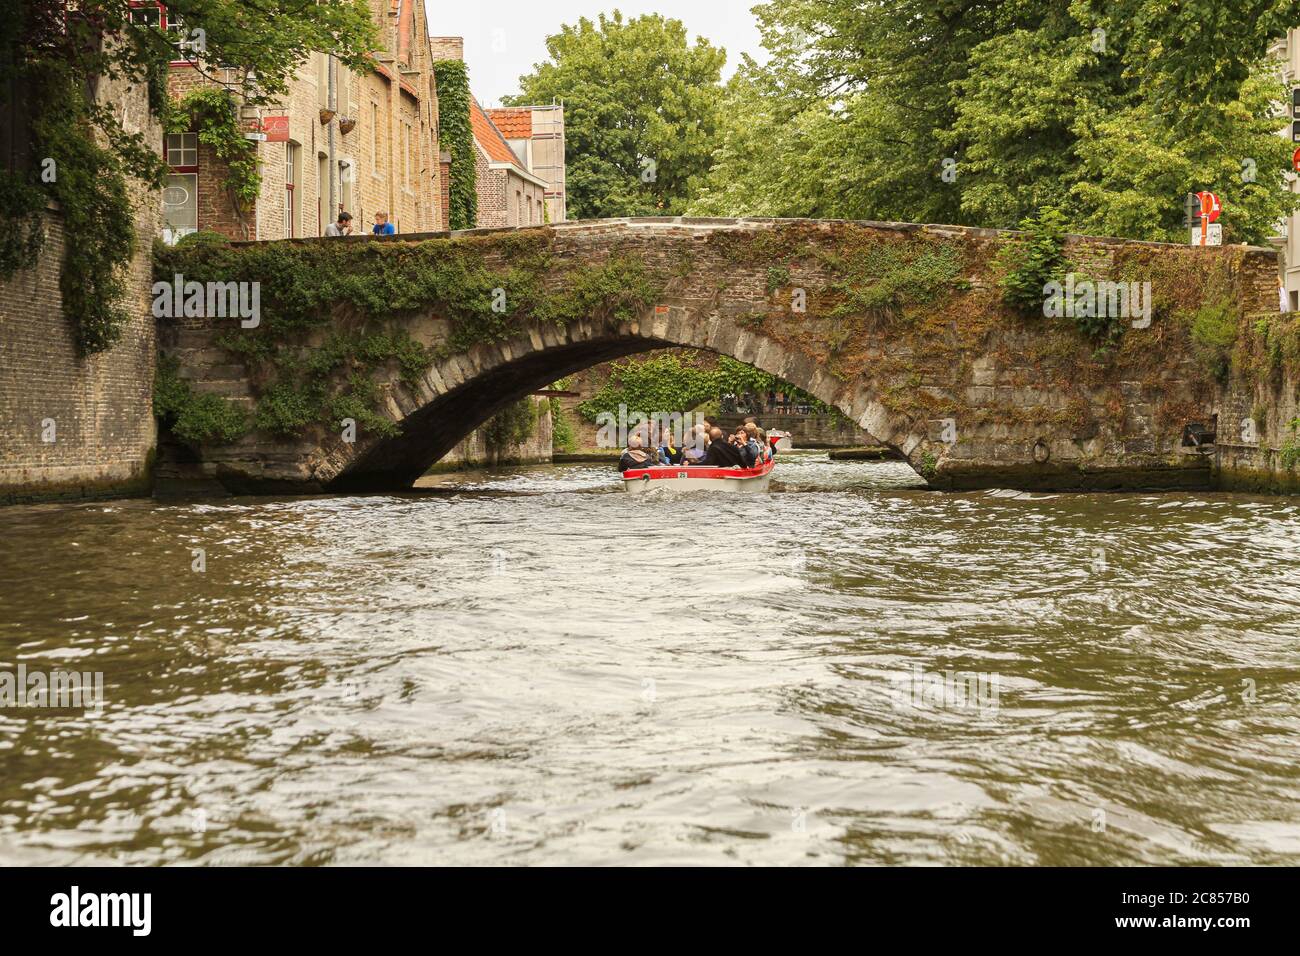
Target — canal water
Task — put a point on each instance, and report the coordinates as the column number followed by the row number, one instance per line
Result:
column 530, row 666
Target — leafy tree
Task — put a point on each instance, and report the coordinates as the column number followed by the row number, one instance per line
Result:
column 984, row 113
column 641, row 112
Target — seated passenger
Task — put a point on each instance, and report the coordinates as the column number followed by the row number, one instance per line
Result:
column 749, row 450
column 668, row 453
column 752, row 432
column 722, row 453
column 693, row 447
column 636, row 456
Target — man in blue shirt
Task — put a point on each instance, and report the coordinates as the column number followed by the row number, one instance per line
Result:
column 382, row 226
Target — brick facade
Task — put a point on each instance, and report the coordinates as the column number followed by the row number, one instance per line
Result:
column 101, row 407
column 386, row 161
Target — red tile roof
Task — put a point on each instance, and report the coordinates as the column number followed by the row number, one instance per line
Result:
column 490, row 138
column 514, row 123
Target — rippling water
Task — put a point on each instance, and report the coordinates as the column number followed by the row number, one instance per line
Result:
column 534, row 667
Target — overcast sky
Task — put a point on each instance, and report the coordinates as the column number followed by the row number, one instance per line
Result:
column 503, row 39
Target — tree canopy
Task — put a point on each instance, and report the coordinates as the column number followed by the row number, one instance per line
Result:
column 982, row 113
column 641, row 109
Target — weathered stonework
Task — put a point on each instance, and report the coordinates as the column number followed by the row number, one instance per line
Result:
column 972, row 394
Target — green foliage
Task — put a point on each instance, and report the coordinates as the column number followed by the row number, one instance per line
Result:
column 888, row 276
column 641, row 112
column 94, row 155
column 666, row 383
column 22, row 229
column 777, row 276
column 860, row 104
column 563, row 436
column 98, row 217
column 192, row 417
column 1034, row 261
column 513, row 425
column 211, row 112
column 1290, row 451
column 1214, row 333
column 328, row 311
column 457, row 136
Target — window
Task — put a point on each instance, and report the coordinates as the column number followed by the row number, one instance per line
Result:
column 323, row 214
column 180, row 195
column 180, row 206
column 406, row 155
column 345, row 186
column 155, row 15
column 291, row 201
column 182, row 149
column 322, row 79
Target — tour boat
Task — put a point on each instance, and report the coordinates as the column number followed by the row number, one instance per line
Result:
column 781, row 441
column 696, row 478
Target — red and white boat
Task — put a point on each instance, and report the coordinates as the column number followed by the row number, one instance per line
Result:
column 696, row 478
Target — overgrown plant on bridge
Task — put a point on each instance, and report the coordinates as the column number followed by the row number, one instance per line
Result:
column 211, row 113
column 668, row 383
column 331, row 311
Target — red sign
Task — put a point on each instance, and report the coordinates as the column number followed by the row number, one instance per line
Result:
column 1211, row 207
column 1295, row 160
column 276, row 128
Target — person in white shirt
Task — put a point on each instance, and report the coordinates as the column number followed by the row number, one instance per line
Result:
column 341, row 228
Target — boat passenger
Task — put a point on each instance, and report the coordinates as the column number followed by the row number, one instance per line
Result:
column 721, row 453
column 748, row 451
column 635, row 456
column 693, row 448
column 668, row 453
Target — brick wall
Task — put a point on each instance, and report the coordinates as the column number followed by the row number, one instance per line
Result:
column 101, row 406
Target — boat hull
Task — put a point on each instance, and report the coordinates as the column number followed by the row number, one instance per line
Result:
column 678, row 478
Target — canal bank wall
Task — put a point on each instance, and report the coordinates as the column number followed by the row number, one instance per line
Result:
column 74, row 426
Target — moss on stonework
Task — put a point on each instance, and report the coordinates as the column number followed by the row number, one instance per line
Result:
column 331, row 312
column 193, row 417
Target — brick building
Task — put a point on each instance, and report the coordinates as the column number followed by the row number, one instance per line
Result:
column 519, row 157
column 508, row 194
column 338, row 140
column 535, row 135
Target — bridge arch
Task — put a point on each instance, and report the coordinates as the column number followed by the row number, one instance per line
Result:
column 460, row 393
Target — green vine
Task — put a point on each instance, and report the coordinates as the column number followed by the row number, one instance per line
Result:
column 192, row 417
column 666, row 383
column 1034, row 261
column 457, row 136
column 331, row 313
column 22, row 233
column 1289, row 453
column 89, row 184
column 211, row 112
column 513, row 425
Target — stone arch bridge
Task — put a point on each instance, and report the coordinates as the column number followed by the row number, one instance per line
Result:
column 904, row 328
